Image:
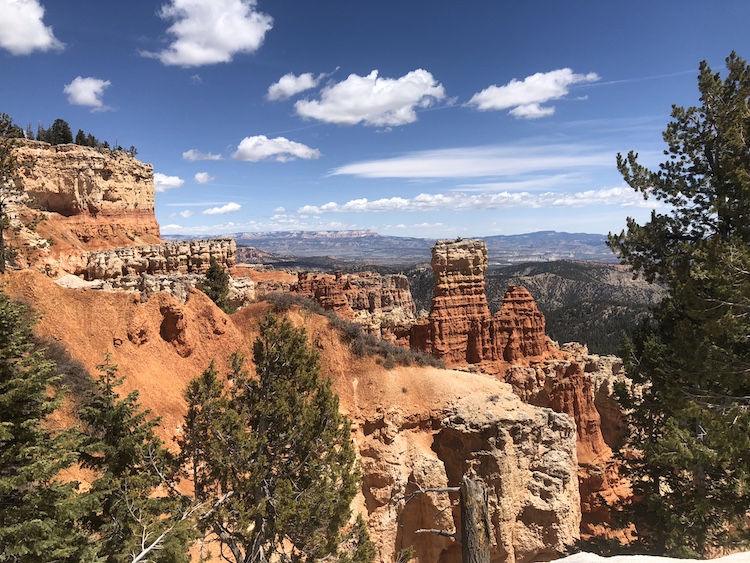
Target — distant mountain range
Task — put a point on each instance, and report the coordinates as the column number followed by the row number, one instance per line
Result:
column 369, row 246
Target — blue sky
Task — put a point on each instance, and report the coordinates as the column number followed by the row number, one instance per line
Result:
column 428, row 118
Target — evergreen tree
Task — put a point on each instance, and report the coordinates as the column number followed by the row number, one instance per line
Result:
column 10, row 186
column 59, row 133
column 81, row 138
column 690, row 416
column 38, row 510
column 273, row 455
column 137, row 509
column 216, row 286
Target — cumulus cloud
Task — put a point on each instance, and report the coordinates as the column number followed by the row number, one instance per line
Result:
column 87, row 92
column 186, row 213
column 203, row 177
column 230, row 207
column 193, row 155
column 289, row 85
column 212, row 32
column 460, row 201
column 22, row 29
column 162, row 182
column 524, row 97
column 373, row 100
column 280, row 149
column 481, row 161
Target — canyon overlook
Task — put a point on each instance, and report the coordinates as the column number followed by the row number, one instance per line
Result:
column 535, row 421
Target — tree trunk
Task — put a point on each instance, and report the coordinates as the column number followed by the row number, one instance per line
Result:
column 475, row 522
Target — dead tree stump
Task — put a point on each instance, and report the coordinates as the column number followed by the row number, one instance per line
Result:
column 475, row 522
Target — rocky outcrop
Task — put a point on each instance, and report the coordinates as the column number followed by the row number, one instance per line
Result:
column 525, row 455
column 518, row 328
column 75, row 180
column 459, row 328
column 582, row 386
column 167, row 258
column 381, row 304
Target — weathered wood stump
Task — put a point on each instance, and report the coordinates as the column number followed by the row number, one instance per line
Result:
column 475, row 522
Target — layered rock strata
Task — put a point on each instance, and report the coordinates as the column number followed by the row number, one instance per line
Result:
column 167, row 258
column 98, row 192
column 382, row 304
column 459, row 328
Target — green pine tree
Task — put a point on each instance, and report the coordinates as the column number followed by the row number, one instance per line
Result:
column 690, row 416
column 273, row 455
column 136, row 509
column 39, row 511
column 10, row 186
column 216, row 286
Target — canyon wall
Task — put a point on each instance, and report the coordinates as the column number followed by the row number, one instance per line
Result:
column 78, row 199
column 75, row 180
column 167, row 258
column 381, row 304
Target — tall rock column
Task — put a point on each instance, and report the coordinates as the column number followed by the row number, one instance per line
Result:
column 459, row 319
column 518, row 328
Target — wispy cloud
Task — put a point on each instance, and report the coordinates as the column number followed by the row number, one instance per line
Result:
column 230, row 207
column 87, row 92
column 373, row 100
column 193, row 155
column 459, row 201
column 22, row 29
column 186, row 214
column 212, row 32
column 525, row 97
column 162, row 182
column 482, row 161
column 280, row 149
column 290, row 85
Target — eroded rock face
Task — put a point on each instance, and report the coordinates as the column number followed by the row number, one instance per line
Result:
column 382, row 304
column 167, row 258
column 518, row 328
column 458, row 327
column 76, row 180
column 582, row 386
column 525, row 455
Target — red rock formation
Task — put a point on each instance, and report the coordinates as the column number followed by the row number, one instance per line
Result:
column 458, row 328
column 518, row 328
column 381, row 304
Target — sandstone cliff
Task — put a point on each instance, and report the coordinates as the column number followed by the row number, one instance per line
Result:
column 80, row 199
column 381, row 304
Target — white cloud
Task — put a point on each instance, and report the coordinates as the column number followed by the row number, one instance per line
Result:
column 260, row 147
column 230, row 207
column 203, row 177
column 526, row 96
column 186, row 213
column 211, row 32
column 193, row 155
column 162, row 182
column 87, row 91
column 460, row 201
column 482, row 161
column 22, row 29
column 289, row 85
column 373, row 100
column 279, row 210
